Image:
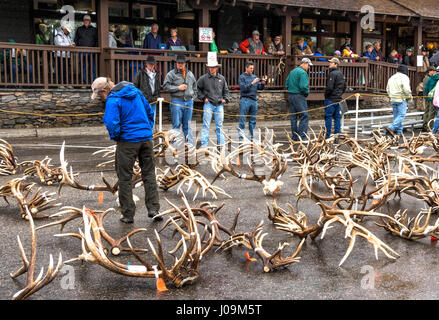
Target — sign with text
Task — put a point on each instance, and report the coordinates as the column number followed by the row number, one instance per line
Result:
column 205, row 35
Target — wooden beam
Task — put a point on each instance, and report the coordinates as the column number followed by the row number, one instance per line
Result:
column 286, row 31
column 204, row 21
column 103, row 30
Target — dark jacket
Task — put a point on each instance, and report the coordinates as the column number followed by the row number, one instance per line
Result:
column 214, row 88
column 152, row 43
column 335, row 85
column 128, row 116
column 86, row 37
column 406, row 60
column 249, row 90
column 379, row 53
column 142, row 82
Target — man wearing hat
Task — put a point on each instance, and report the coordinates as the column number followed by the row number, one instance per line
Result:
column 297, row 84
column 335, row 87
column 147, row 80
column 253, row 45
column 407, row 58
column 181, row 83
column 87, row 36
column 399, row 91
column 213, row 91
column 129, row 120
column 430, row 109
column 63, row 38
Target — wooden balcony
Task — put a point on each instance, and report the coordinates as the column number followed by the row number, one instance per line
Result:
column 41, row 66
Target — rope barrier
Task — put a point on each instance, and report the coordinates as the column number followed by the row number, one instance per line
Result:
column 225, row 114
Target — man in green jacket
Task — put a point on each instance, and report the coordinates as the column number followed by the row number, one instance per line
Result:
column 298, row 89
column 430, row 109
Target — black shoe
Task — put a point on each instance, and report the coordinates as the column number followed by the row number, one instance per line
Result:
column 126, row 220
column 152, row 214
column 390, row 132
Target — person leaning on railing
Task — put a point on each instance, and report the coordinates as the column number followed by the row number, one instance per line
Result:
column 63, row 38
column 399, row 91
column 87, row 36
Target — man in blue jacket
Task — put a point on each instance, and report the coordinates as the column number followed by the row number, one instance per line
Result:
column 129, row 120
column 153, row 39
column 249, row 84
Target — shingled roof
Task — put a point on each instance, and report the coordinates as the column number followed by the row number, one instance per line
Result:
column 389, row 7
column 424, row 8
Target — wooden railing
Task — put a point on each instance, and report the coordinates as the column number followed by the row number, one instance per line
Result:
column 361, row 74
column 123, row 64
column 24, row 65
column 47, row 66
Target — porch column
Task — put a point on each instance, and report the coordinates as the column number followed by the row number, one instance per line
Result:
column 418, row 38
column 357, row 37
column 286, row 32
column 103, row 30
column 204, row 21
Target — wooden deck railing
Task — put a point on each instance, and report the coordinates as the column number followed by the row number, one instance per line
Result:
column 26, row 65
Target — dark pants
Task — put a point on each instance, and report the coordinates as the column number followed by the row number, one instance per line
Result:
column 298, row 105
column 332, row 112
column 126, row 154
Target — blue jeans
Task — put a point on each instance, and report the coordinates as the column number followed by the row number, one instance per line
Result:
column 154, row 108
column 298, row 104
column 88, row 61
column 181, row 115
column 218, row 113
column 247, row 107
column 436, row 122
column 399, row 111
column 332, row 112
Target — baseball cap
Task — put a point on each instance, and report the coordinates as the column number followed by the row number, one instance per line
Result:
column 86, row 17
column 335, row 60
column 256, row 32
column 97, row 85
column 306, row 60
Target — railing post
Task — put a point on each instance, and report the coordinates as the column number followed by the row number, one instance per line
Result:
column 357, row 107
column 45, row 70
column 160, row 100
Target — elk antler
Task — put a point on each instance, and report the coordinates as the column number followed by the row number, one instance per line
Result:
column 8, row 162
column 33, row 285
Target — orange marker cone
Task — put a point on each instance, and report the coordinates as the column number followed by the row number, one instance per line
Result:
column 101, row 197
column 248, row 257
column 159, row 282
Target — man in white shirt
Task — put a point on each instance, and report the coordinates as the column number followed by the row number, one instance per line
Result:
column 63, row 38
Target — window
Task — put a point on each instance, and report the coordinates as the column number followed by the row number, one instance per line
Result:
column 79, row 5
column 145, row 11
column 328, row 46
column 378, row 29
column 309, row 25
column 118, row 9
column 327, row 26
column 343, row 27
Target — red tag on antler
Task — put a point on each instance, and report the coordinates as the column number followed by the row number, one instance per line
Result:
column 248, row 257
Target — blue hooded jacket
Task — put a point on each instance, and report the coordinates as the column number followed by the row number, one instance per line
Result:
column 128, row 116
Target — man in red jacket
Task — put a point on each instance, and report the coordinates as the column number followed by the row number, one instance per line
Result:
column 253, row 45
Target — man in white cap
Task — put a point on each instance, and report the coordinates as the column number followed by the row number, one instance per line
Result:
column 213, row 91
column 297, row 84
column 63, row 38
column 129, row 120
column 253, row 45
column 87, row 36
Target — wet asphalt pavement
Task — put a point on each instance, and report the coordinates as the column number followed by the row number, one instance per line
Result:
column 223, row 275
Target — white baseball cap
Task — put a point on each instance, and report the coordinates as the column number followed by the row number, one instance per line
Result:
column 307, row 60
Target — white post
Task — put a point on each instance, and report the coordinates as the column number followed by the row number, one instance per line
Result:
column 357, row 106
column 160, row 100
